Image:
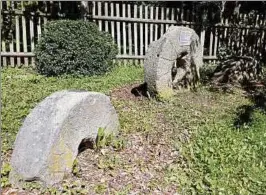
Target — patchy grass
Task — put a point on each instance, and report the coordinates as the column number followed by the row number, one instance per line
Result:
column 189, row 144
column 220, row 158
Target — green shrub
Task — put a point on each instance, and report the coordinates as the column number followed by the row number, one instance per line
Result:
column 206, row 72
column 74, row 47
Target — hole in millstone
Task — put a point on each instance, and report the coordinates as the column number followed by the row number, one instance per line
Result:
column 85, row 144
column 174, row 70
column 140, row 90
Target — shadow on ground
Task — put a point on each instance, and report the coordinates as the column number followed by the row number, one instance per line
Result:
column 256, row 92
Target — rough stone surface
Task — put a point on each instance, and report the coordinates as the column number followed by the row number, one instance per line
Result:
column 178, row 49
column 48, row 141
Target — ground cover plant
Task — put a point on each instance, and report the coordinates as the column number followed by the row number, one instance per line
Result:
column 198, row 142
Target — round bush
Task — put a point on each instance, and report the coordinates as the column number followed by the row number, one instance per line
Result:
column 74, row 47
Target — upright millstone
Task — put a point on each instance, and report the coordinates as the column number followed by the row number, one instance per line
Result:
column 48, row 141
column 176, row 56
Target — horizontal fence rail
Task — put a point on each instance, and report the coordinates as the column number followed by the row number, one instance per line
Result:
column 132, row 27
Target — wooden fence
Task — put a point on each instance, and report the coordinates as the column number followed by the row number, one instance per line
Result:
column 133, row 28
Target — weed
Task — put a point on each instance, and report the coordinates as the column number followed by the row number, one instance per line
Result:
column 75, row 168
column 5, row 169
column 104, row 140
column 100, row 188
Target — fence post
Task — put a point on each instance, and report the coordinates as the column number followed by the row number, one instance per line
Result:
column 202, row 39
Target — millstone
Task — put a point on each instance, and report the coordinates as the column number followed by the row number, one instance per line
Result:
column 178, row 51
column 48, row 141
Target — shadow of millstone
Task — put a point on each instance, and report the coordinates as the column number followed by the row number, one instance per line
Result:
column 50, row 137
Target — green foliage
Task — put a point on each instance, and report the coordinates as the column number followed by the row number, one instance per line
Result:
column 101, row 140
column 75, row 168
column 221, row 159
column 206, row 72
column 104, row 140
column 74, row 47
column 7, row 23
column 209, row 12
column 75, row 187
column 100, row 188
column 109, row 162
column 5, row 169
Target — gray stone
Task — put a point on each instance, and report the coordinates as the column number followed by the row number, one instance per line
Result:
column 179, row 48
column 48, row 141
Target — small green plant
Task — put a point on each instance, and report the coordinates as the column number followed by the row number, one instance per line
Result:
column 109, row 162
column 101, row 140
column 119, row 143
column 100, row 188
column 75, row 168
column 104, row 140
column 74, row 47
column 6, row 168
column 206, row 72
column 32, row 186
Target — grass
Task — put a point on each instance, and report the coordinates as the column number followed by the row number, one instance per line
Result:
column 223, row 159
column 189, row 144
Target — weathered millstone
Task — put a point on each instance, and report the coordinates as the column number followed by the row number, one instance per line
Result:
column 48, row 141
column 177, row 55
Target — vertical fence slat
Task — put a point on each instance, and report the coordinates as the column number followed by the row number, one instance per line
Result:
column 202, row 39
column 124, row 32
column 221, row 30
column 136, row 53
column 156, row 25
column 211, row 40
column 151, row 25
column 11, row 49
column 39, row 29
column 118, row 29
column 112, row 22
column 24, row 32
column 141, row 30
column 172, row 15
column 178, row 14
column 32, row 46
column 4, row 49
column 162, row 18
column 167, row 18
column 93, row 9
column 18, row 40
column 181, row 12
column 146, row 29
column 11, row 44
column 118, row 35
column 99, row 4
column 106, row 27
column 135, row 31
column 129, row 31
column 215, row 41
